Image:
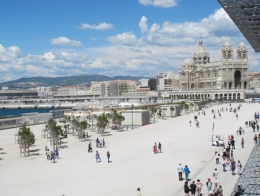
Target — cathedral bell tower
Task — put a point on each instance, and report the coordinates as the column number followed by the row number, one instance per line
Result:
column 242, row 53
column 227, row 52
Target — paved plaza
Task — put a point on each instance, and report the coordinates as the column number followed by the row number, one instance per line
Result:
column 133, row 162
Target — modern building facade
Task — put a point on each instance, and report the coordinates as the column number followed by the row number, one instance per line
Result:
column 113, row 88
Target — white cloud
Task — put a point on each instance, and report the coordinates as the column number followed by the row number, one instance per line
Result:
column 159, row 3
column 143, row 24
column 64, row 41
column 101, row 26
column 123, row 39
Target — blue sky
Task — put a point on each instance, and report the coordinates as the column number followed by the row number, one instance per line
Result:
column 110, row 37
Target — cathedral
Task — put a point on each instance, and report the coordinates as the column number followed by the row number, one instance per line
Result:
column 200, row 74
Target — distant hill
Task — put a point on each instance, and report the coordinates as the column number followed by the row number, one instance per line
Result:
column 63, row 81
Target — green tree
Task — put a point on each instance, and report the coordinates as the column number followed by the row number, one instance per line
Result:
column 153, row 111
column 191, row 105
column 55, row 131
column 102, row 122
column 26, row 139
column 117, row 118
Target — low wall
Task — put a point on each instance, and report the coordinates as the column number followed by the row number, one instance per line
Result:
column 30, row 120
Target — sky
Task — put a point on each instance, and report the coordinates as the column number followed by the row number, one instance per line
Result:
column 110, row 37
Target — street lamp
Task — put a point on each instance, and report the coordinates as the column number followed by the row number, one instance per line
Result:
column 132, row 117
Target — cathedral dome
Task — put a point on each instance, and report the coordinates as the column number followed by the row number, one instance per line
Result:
column 201, row 52
column 227, row 44
column 241, row 45
column 188, row 61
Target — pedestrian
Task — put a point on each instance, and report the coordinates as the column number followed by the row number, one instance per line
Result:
column 57, row 153
column 186, row 188
column 180, row 170
column 193, row 188
column 239, row 191
column 237, row 116
column 108, row 156
column 258, row 139
column 190, row 123
column 138, row 192
column 220, row 190
column 217, row 158
column 223, row 164
column 209, row 187
column 90, row 147
column 215, row 190
column 239, row 167
column 231, row 154
column 242, row 142
column 186, row 171
column 103, row 142
column 199, row 186
column 98, row 159
column 215, row 175
column 255, row 139
column 233, row 143
column 48, row 154
column 160, row 147
column 233, row 166
column 52, row 156
column 257, row 127
column 154, row 149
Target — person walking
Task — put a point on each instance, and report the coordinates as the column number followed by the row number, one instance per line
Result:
column 108, row 156
column 186, row 171
column 224, row 164
column 233, row 144
column 193, row 188
column 233, row 166
column 180, row 170
column 103, row 141
column 160, row 147
column 48, row 154
column 186, row 188
column 138, row 192
column 190, row 123
column 199, row 186
column 52, row 156
column 154, row 149
column 255, row 139
column 220, row 190
column 209, row 187
column 217, row 158
column 57, row 153
column 239, row 167
column 257, row 127
column 215, row 175
column 215, row 190
column 98, row 159
column 242, row 142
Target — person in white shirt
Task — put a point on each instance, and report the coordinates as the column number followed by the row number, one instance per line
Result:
column 215, row 175
column 180, row 170
column 224, row 164
column 217, row 158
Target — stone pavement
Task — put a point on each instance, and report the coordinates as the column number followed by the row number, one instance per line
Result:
column 133, row 162
column 250, row 179
column 227, row 181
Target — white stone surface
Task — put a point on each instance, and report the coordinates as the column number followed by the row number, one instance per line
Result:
column 133, row 162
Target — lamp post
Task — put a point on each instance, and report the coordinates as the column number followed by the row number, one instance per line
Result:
column 132, row 117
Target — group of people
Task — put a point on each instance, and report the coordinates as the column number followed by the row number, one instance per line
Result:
column 155, row 149
column 53, row 155
column 98, row 158
column 100, row 142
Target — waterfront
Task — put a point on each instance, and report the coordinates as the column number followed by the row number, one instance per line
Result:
column 19, row 112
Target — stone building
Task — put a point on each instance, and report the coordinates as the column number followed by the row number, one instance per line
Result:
column 201, row 74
